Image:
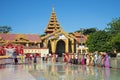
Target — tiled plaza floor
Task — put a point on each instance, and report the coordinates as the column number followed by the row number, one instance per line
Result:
column 56, row 71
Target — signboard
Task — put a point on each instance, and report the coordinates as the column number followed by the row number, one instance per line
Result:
column 43, row 52
column 61, row 36
column 9, row 51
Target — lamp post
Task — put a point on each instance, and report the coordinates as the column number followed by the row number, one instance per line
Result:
column 81, row 40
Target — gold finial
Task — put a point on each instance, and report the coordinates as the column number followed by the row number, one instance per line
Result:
column 53, row 8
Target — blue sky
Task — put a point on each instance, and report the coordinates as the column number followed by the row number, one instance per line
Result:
column 32, row 16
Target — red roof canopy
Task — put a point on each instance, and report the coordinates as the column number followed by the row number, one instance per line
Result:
column 11, row 37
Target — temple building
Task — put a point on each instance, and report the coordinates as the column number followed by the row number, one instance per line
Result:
column 81, row 39
column 27, row 40
column 19, row 42
column 58, row 41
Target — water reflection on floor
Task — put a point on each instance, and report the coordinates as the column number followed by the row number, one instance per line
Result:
column 58, row 71
column 62, row 71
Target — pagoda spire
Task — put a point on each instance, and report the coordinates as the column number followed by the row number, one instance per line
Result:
column 53, row 24
column 52, row 9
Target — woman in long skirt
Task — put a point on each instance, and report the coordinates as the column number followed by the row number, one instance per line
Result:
column 83, row 60
column 87, row 60
column 107, row 63
column 103, row 60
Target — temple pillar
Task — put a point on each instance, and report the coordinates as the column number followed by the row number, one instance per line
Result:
column 72, row 46
column 53, row 45
column 45, row 43
column 66, row 45
column 77, row 48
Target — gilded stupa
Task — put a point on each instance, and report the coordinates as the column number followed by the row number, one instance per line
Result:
column 53, row 24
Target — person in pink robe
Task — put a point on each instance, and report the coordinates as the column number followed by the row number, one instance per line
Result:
column 107, row 63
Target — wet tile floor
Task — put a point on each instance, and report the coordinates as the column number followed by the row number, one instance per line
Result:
column 56, row 71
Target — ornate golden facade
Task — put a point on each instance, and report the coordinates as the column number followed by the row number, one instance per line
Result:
column 27, row 40
column 56, row 39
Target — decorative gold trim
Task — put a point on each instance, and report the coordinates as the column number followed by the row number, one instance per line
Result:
column 21, row 38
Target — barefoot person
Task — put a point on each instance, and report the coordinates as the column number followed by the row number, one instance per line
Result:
column 15, row 57
column 107, row 63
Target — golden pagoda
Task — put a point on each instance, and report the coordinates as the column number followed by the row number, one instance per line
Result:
column 56, row 39
column 53, row 24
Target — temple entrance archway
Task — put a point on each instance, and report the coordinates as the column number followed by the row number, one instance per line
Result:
column 49, row 46
column 60, row 48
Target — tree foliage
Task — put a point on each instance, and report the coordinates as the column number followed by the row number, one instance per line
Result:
column 114, row 26
column 106, row 40
column 5, row 29
column 42, row 35
column 89, row 31
column 99, row 41
column 114, row 31
column 116, row 42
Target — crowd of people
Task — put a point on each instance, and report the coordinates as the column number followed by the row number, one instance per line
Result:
column 89, row 59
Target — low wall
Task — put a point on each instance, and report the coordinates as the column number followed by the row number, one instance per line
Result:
column 115, row 62
column 6, row 61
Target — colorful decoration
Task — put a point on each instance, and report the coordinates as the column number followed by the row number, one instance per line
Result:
column 10, row 47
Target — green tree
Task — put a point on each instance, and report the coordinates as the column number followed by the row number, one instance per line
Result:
column 114, row 26
column 5, row 29
column 114, row 31
column 99, row 41
column 42, row 35
column 116, row 42
column 89, row 31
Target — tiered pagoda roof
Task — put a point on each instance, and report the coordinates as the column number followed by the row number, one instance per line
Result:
column 53, row 24
column 80, row 37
